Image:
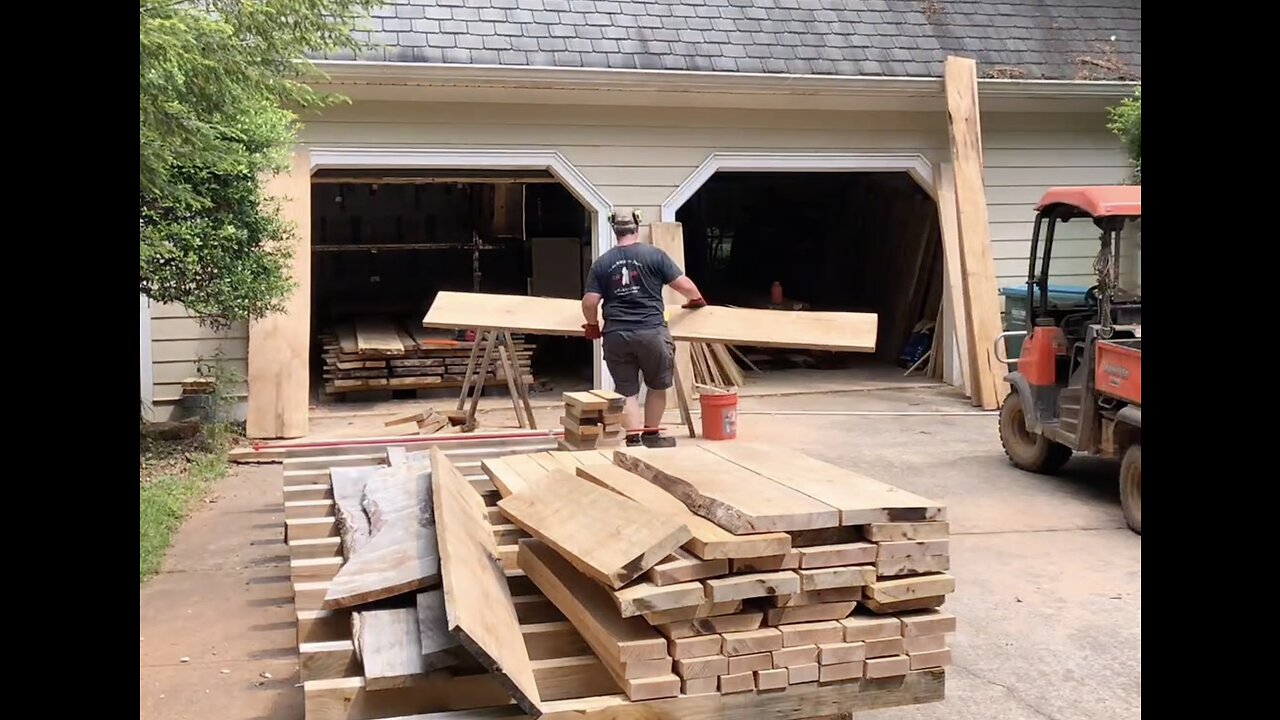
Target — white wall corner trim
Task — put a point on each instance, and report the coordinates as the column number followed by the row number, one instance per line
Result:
column 914, row 164
column 146, row 373
column 488, row 159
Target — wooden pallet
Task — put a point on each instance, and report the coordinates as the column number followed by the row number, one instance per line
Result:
column 571, row 680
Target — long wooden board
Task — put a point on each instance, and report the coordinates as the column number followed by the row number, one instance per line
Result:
column 477, row 599
column 438, row 647
column 616, row 640
column 731, row 496
column 709, row 541
column 609, row 537
column 348, row 488
column 402, row 556
column 669, row 238
column 279, row 344
column 981, row 300
column 953, row 296
column 860, row 499
column 850, row 332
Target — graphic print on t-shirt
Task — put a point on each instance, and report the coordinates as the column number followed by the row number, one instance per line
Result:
column 624, row 278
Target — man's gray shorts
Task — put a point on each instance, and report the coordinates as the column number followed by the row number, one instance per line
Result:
column 631, row 353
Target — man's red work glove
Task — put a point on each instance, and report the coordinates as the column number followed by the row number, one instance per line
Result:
column 593, row 331
column 694, row 303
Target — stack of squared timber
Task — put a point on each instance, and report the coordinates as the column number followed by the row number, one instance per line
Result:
column 754, row 568
column 591, row 419
column 379, row 354
column 433, row 574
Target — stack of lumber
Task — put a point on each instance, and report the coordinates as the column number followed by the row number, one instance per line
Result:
column 734, row 568
column 419, row 592
column 591, row 419
column 424, row 422
column 380, row 354
column 714, row 365
column 391, row 578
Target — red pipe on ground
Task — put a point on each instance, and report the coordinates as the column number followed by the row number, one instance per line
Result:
column 373, row 442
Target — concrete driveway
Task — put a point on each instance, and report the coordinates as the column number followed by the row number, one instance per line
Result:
column 1048, row 593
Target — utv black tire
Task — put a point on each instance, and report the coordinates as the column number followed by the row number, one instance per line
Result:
column 1027, row 451
column 1131, row 487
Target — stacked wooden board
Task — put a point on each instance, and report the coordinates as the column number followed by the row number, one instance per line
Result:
column 379, row 354
column 507, row 633
column 591, row 420
column 423, row 422
column 734, row 568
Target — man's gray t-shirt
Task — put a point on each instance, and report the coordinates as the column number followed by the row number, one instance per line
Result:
column 630, row 278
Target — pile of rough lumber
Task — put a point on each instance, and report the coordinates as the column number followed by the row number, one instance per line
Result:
column 591, row 420
column 714, row 365
column 418, row 592
column 731, row 568
column 379, row 354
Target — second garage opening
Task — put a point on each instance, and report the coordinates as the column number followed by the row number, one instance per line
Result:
column 837, row 241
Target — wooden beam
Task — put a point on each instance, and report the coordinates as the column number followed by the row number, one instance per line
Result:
column 401, row 554
column 478, row 603
column 616, row 640
column 957, row 318
column 709, row 541
column 725, row 493
column 279, row 345
column 669, row 238
column 609, row 537
column 850, row 332
column 982, row 302
column 859, row 499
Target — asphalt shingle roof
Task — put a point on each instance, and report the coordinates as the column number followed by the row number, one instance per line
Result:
column 1018, row 39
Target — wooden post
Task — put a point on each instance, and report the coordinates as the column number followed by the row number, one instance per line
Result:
column 955, row 320
column 961, row 81
column 279, row 345
column 669, row 237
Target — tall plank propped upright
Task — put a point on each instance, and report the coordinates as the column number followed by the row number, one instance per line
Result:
column 960, row 77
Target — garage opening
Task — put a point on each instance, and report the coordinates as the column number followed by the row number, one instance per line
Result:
column 385, row 242
column 836, row 241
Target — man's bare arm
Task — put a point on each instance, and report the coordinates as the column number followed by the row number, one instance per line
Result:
column 591, row 307
column 685, row 287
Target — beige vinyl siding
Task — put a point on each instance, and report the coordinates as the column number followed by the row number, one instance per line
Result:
column 638, row 156
column 179, row 344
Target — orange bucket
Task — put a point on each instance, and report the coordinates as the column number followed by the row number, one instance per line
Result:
column 719, row 416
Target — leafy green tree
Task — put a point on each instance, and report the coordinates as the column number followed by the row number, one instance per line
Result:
column 221, row 84
column 1126, row 122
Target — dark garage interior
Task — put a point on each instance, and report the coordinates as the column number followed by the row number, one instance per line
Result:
column 385, row 242
column 837, row 241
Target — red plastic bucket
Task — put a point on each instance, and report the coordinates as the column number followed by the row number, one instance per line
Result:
column 719, row 416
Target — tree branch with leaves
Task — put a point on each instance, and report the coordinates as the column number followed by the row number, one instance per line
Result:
column 1125, row 121
column 221, row 86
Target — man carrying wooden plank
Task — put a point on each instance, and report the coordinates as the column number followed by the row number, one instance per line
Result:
column 629, row 280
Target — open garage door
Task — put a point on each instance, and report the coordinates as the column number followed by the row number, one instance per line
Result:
column 840, row 241
column 385, row 242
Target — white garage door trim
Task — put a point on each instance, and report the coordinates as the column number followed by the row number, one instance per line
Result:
column 914, row 164
column 488, row 159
